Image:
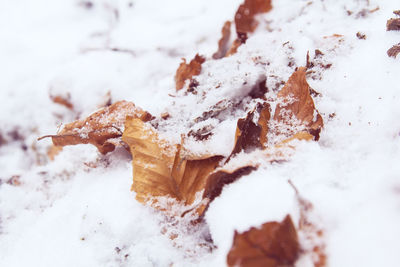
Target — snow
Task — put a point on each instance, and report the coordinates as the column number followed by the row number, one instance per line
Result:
column 67, row 213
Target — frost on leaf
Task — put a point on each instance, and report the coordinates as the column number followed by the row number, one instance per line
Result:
column 187, row 71
column 273, row 244
column 224, row 41
column 101, row 129
column 160, row 169
column 296, row 107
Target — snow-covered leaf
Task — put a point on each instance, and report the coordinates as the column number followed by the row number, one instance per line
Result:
column 160, row 169
column 102, row 129
column 273, row 244
column 186, row 71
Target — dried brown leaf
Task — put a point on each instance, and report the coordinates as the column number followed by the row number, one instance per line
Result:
column 187, row 71
column 249, row 134
column 224, row 41
column 159, row 169
column 61, row 100
column 393, row 25
column 234, row 47
column 244, row 17
column 245, row 22
column 219, row 179
column 101, row 129
column 296, row 101
column 394, row 51
column 273, row 244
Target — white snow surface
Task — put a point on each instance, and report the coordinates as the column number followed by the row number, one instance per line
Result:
column 66, row 213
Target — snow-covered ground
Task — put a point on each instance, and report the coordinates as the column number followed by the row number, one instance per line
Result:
column 66, row 213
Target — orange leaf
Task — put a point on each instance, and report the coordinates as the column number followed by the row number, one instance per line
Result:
column 187, row 71
column 159, row 169
column 297, row 102
column 223, row 42
column 244, row 18
column 234, row 47
column 274, row 244
column 64, row 101
column 101, row 129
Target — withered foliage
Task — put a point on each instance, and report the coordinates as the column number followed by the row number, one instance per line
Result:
column 244, row 17
column 160, row 169
column 273, row 244
column 394, row 51
column 235, row 45
column 245, row 21
column 217, row 180
column 101, row 129
column 63, row 101
column 393, row 25
column 249, row 134
column 187, row 71
column 296, row 102
column 223, row 43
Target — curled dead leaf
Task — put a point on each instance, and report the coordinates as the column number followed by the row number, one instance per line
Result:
column 393, row 25
column 296, row 107
column 244, row 17
column 101, row 129
column 224, row 41
column 273, row 244
column 187, row 71
column 234, row 47
column 159, row 169
column 249, row 134
column 394, row 51
column 62, row 100
column 245, row 21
